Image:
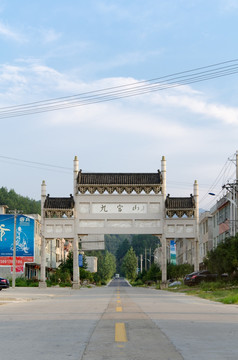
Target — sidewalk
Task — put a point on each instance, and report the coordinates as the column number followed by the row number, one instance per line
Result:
column 19, row 294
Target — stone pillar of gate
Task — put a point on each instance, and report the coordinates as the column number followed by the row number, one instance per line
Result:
column 196, row 216
column 42, row 282
column 76, row 170
column 163, row 173
column 76, row 281
column 164, row 260
column 195, row 255
column 76, row 284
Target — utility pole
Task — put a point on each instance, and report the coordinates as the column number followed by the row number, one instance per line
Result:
column 236, row 193
column 141, row 262
column 233, row 190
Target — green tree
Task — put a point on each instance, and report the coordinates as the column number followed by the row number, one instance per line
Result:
column 67, row 265
column 224, row 258
column 129, row 264
column 121, row 252
column 15, row 201
column 106, row 266
column 112, row 242
column 142, row 242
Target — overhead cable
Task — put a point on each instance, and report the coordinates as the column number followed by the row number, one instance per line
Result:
column 123, row 91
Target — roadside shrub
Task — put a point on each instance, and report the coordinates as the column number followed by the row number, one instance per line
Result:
column 211, row 286
column 138, row 282
column 230, row 299
column 178, row 271
column 86, row 275
column 97, row 278
column 23, row 282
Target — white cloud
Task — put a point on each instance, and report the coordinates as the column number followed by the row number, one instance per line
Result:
column 229, row 5
column 160, row 110
column 9, row 33
column 49, row 35
column 221, row 112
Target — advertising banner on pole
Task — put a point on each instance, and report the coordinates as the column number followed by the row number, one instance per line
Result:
column 172, row 252
column 80, row 260
column 24, row 240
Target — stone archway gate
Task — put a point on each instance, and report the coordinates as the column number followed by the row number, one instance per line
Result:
column 119, row 203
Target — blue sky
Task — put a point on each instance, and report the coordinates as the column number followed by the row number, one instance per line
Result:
column 51, row 49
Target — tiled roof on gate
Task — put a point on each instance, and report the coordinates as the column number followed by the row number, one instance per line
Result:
column 119, row 178
column 59, row 202
column 179, row 202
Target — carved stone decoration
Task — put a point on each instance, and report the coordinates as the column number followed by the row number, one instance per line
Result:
column 148, row 189
column 128, row 189
column 119, row 189
column 180, row 213
column 189, row 213
column 170, row 213
column 82, row 189
column 59, row 213
column 101, row 189
column 92, row 189
column 110, row 189
column 157, row 189
column 69, row 213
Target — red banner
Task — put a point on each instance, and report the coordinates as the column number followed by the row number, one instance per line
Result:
column 20, row 262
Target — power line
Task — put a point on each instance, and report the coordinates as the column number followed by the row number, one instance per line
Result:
column 35, row 162
column 124, row 91
column 226, row 169
column 38, row 165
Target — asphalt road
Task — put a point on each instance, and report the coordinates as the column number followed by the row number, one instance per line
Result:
column 114, row 322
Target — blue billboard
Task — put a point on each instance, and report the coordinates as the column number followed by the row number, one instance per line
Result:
column 24, row 235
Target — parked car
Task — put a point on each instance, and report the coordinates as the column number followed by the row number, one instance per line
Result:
column 198, row 276
column 4, row 283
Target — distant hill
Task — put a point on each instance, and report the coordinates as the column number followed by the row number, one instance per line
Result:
column 18, row 202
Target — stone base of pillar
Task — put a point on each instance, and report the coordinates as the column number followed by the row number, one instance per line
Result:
column 163, row 285
column 42, row 285
column 75, row 286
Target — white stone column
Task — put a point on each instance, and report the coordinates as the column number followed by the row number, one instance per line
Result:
column 76, row 282
column 196, row 217
column 164, row 259
column 163, row 237
column 75, row 264
column 163, row 173
column 42, row 283
column 76, row 170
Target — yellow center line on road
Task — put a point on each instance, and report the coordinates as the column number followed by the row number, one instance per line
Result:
column 118, row 309
column 120, row 332
column 118, row 301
